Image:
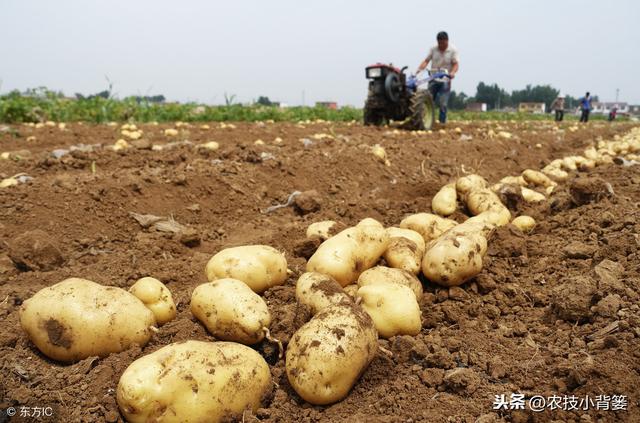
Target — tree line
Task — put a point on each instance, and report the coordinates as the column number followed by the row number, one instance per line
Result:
column 499, row 98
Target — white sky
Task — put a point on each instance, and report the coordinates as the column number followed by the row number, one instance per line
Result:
column 198, row 50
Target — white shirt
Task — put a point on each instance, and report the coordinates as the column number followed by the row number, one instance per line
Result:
column 443, row 59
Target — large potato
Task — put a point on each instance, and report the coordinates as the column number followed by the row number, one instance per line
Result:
column 156, row 297
column 457, row 255
column 384, row 275
column 405, row 250
column 318, row 291
column 328, row 354
column 482, row 200
column 349, row 253
column 430, row 226
column 393, row 308
column 231, row 311
column 77, row 318
column 469, row 183
column 445, row 201
column 194, row 382
column 259, row 266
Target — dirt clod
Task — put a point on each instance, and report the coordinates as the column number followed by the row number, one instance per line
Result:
column 35, row 250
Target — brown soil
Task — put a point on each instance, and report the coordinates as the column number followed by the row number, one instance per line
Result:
column 553, row 312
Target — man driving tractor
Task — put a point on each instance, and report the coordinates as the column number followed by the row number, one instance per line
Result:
column 443, row 57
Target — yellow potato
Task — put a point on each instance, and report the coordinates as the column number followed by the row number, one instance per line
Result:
column 468, row 183
column 514, row 180
column 457, row 255
column 259, row 266
column 430, row 226
column 321, row 230
column 531, row 196
column 536, row 178
column 393, row 308
column 405, row 250
column 194, row 382
column 482, row 200
column 351, row 290
column 445, row 202
column 328, row 354
column 349, row 253
column 368, row 221
column 318, row 291
column 555, row 174
column 231, row 311
column 156, row 297
column 380, row 275
column 76, row 318
column 524, row 223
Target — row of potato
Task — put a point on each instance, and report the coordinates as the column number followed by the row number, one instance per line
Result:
column 352, row 299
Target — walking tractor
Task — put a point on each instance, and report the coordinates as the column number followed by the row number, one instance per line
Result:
column 395, row 96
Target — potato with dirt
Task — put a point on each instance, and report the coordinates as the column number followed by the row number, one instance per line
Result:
column 458, row 254
column 393, row 308
column 483, row 200
column 468, row 183
column 430, row 226
column 231, row 311
column 445, row 201
column 318, row 291
column 328, row 354
column 259, row 266
column 322, row 230
column 537, row 179
column 77, row 318
column 524, row 223
column 349, row 253
column 382, row 275
column 405, row 250
column 156, row 297
column 193, row 382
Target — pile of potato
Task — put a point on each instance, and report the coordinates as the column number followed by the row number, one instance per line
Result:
column 361, row 283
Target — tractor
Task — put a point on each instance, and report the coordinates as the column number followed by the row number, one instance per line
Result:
column 394, row 96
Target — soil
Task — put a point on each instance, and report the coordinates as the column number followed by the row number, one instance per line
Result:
column 554, row 312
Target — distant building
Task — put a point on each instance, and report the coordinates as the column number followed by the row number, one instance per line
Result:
column 327, row 104
column 476, row 107
column 604, row 108
column 532, row 107
column 634, row 110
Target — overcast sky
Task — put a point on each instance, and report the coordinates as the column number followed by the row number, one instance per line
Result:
column 197, row 50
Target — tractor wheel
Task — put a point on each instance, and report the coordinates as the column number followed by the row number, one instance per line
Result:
column 372, row 116
column 421, row 111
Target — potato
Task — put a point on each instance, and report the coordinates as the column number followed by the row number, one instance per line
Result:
column 193, row 382
column 405, row 250
column 591, row 153
column 318, row 291
column 351, row 290
column 76, row 318
column 393, row 308
column 430, row 226
column 533, row 177
column 457, row 255
column 445, row 201
column 531, row 196
column 321, row 230
column 259, row 266
column 468, row 183
column 556, row 174
column 349, row 253
column 369, row 221
column 482, row 200
column 328, row 354
column 231, row 311
column 569, row 163
column 156, row 297
column 514, row 180
column 524, row 223
column 380, row 274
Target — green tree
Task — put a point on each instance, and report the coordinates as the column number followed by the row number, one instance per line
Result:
column 264, row 101
column 458, row 101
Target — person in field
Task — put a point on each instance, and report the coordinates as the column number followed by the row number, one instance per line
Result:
column 443, row 57
column 585, row 107
column 558, row 107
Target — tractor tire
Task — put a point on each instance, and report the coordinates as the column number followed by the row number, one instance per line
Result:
column 372, row 116
column 421, row 111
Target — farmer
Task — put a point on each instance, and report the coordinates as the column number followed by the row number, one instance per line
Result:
column 558, row 107
column 585, row 106
column 443, row 57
